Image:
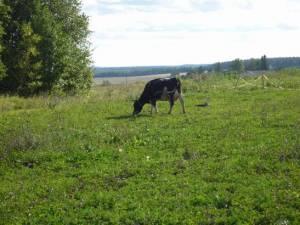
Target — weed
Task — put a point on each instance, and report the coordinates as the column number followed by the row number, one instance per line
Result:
column 22, row 139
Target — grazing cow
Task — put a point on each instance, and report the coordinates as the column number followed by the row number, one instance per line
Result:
column 167, row 89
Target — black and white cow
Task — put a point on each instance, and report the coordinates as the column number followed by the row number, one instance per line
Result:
column 167, row 89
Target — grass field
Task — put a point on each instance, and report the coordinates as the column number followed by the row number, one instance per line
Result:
column 84, row 160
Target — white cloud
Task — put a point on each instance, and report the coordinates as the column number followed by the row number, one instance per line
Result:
column 159, row 32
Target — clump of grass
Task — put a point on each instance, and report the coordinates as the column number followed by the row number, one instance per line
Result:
column 20, row 139
column 53, row 101
column 190, row 154
column 10, row 103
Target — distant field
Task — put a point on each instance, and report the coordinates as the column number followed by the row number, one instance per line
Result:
column 128, row 80
column 85, row 160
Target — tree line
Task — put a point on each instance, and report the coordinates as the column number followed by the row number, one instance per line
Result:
column 240, row 66
column 141, row 70
column 253, row 64
column 237, row 65
column 44, row 47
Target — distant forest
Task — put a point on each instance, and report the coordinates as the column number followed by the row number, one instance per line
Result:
column 141, row 70
column 246, row 65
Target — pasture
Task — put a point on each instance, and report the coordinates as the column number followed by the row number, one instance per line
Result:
column 84, row 160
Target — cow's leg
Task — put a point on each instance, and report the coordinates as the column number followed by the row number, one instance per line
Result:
column 182, row 103
column 155, row 106
column 171, row 101
column 152, row 106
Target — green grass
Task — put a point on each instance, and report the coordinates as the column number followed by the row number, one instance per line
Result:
column 85, row 161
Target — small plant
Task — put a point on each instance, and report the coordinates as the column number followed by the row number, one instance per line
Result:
column 53, row 101
column 22, row 139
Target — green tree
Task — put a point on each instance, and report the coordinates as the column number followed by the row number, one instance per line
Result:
column 20, row 55
column 46, row 47
column 217, row 67
column 200, row 69
column 2, row 67
column 28, row 65
column 264, row 63
column 237, row 65
column 253, row 64
column 65, row 48
column 3, row 18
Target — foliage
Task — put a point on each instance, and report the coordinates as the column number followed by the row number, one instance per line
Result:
column 253, row 64
column 200, row 69
column 249, row 64
column 141, row 70
column 217, row 67
column 3, row 17
column 84, row 160
column 237, row 65
column 46, row 47
column 264, row 63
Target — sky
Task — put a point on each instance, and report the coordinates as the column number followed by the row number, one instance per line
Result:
column 176, row 32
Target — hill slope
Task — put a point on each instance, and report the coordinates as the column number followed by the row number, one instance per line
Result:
column 274, row 63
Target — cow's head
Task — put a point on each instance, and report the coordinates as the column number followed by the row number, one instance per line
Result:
column 137, row 107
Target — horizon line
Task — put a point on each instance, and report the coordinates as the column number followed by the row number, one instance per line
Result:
column 191, row 64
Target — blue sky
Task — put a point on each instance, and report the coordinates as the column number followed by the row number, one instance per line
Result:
column 172, row 32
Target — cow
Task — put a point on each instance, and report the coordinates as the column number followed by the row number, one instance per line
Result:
column 164, row 89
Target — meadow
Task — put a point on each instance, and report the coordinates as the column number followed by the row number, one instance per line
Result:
column 85, row 160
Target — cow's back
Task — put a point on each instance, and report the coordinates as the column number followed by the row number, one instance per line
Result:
column 160, row 84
